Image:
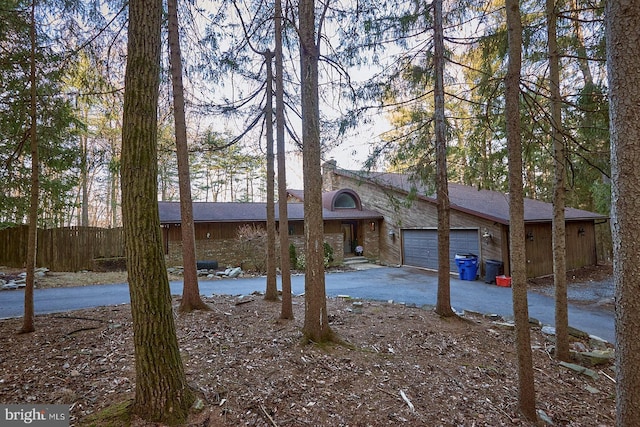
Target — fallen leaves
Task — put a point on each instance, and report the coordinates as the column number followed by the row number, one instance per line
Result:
column 398, row 365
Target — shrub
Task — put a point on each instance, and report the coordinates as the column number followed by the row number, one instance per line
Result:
column 328, row 254
column 293, row 256
column 253, row 246
column 299, row 261
column 302, row 262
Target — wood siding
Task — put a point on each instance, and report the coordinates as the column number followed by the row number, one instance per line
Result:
column 581, row 247
column 62, row 249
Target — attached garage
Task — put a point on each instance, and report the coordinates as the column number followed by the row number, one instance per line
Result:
column 420, row 246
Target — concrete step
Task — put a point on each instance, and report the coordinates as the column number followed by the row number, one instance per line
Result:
column 355, row 260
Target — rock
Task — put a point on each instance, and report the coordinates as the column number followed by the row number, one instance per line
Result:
column 198, row 405
column 506, row 325
column 548, row 330
column 577, row 333
column 596, row 357
column 534, row 322
column 544, row 417
column 235, row 272
column 580, row 369
column 473, row 313
column 579, row 347
column 10, row 286
column 592, row 390
column 598, row 343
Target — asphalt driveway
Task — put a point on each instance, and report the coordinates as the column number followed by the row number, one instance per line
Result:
column 402, row 285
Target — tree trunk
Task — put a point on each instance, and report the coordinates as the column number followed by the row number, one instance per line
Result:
column 526, row 389
column 271, row 293
column 443, row 303
column 581, row 50
column 161, row 393
column 84, row 180
column 283, row 222
column 32, row 232
column 191, row 299
column 558, row 232
column 114, row 174
column 316, row 326
column 623, row 70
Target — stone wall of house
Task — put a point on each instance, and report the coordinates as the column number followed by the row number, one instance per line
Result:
column 333, row 239
column 399, row 214
column 229, row 252
column 226, row 251
column 371, row 239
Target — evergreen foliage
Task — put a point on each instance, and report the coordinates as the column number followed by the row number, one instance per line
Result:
column 57, row 128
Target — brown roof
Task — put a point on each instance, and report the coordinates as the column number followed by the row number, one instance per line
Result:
column 492, row 205
column 251, row 212
column 329, row 197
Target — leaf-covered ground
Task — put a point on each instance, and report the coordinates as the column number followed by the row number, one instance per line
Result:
column 398, row 365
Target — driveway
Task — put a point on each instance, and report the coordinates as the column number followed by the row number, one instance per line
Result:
column 402, row 285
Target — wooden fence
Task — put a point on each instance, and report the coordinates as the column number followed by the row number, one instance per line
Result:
column 62, row 249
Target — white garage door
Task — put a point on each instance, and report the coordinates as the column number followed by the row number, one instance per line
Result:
column 420, row 247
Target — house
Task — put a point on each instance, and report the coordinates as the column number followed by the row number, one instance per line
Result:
column 346, row 225
column 393, row 220
column 479, row 223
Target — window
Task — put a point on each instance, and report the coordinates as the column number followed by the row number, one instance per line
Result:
column 345, row 200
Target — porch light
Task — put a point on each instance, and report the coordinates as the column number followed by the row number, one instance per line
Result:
column 581, row 231
column 530, row 236
column 372, row 226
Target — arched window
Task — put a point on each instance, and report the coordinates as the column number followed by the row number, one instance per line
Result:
column 341, row 199
column 345, row 200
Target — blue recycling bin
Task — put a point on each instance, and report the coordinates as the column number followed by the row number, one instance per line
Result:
column 467, row 266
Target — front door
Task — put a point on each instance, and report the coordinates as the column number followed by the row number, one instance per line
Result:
column 347, row 237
